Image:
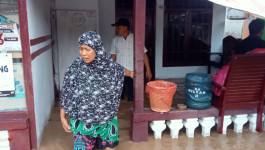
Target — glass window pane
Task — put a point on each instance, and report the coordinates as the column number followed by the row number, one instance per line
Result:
column 187, row 32
column 200, row 31
column 175, row 36
column 200, row 36
column 13, row 97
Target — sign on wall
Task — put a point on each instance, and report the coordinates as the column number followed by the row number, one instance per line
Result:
column 18, row 102
column 9, row 35
column 7, row 88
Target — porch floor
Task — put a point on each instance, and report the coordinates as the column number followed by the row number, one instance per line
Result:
column 54, row 137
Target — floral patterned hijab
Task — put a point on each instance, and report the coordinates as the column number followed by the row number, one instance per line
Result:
column 91, row 91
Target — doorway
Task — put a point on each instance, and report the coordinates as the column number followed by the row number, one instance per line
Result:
column 124, row 9
column 70, row 25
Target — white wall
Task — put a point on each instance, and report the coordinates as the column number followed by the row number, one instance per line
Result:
column 42, row 69
column 78, row 5
column 233, row 27
column 218, row 26
column 107, row 9
column 38, row 18
column 106, row 18
column 67, row 36
column 105, row 15
column 218, row 29
column 43, row 91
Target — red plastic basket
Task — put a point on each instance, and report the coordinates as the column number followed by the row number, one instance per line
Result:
column 161, row 95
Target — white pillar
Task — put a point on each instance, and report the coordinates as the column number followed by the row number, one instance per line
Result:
column 252, row 118
column 207, row 123
column 4, row 143
column 239, row 121
column 226, row 123
column 190, row 125
column 158, row 127
column 175, row 126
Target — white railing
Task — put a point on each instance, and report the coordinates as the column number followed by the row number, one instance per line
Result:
column 206, row 123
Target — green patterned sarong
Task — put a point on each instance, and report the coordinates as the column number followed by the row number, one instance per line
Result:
column 107, row 132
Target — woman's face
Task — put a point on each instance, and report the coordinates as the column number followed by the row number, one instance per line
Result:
column 87, row 53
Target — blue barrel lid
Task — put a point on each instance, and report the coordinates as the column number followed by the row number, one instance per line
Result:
column 198, row 77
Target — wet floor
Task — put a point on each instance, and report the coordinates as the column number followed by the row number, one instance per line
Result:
column 55, row 138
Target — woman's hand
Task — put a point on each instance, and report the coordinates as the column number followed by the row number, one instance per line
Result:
column 64, row 121
column 65, row 125
column 129, row 73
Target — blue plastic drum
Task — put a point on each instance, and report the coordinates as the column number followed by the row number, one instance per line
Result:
column 198, row 92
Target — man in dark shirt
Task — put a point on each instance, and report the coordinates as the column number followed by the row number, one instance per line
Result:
column 256, row 30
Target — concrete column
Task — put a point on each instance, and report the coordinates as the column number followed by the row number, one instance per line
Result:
column 239, row 121
column 158, row 127
column 190, row 125
column 175, row 126
column 227, row 122
column 207, row 123
column 4, row 142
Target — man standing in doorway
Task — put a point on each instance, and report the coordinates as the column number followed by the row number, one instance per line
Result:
column 122, row 52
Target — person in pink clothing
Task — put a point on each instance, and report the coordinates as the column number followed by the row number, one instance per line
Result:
column 220, row 76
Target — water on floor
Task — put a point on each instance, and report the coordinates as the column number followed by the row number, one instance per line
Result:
column 55, row 138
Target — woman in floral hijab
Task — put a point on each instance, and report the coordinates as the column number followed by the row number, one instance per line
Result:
column 91, row 95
